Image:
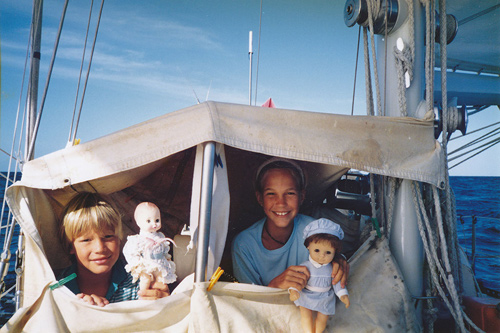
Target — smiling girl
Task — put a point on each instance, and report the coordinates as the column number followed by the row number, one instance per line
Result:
column 270, row 251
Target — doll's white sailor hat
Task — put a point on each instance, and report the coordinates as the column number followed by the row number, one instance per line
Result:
column 323, row 226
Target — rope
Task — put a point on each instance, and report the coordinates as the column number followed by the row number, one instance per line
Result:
column 392, row 191
column 368, row 79
column 404, row 63
column 372, row 194
column 372, row 5
column 444, row 251
column 429, row 53
column 430, row 249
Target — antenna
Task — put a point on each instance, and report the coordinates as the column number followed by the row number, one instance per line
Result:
column 189, row 82
column 250, row 53
column 208, row 91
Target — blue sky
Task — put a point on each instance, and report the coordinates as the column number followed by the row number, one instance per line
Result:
column 152, row 57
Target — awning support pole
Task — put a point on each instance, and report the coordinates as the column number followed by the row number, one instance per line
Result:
column 207, row 180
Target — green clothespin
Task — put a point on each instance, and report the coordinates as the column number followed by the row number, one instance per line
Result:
column 377, row 228
column 63, row 281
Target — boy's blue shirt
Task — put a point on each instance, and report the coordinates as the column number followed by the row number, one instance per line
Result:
column 121, row 288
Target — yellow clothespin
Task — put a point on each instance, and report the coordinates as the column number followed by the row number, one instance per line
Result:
column 215, row 277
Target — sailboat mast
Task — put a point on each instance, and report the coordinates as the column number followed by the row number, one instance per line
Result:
column 405, row 240
column 31, row 108
column 36, row 37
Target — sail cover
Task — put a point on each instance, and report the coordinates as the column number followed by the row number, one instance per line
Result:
column 158, row 161
column 398, row 147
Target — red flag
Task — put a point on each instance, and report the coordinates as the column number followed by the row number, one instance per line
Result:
column 269, row 103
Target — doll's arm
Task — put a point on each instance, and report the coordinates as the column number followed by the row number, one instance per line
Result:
column 342, row 294
column 132, row 251
column 340, row 270
column 294, row 294
column 345, row 299
column 156, row 291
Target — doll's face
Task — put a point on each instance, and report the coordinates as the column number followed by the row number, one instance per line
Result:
column 322, row 252
column 148, row 218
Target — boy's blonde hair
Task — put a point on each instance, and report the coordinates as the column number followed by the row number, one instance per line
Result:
column 88, row 212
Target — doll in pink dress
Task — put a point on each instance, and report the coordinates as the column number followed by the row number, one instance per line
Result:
column 147, row 253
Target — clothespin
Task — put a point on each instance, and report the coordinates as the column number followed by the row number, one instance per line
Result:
column 62, row 281
column 376, row 226
column 215, row 277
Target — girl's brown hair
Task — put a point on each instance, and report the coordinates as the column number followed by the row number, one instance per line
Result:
column 294, row 169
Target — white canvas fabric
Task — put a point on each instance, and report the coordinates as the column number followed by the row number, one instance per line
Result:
column 379, row 303
column 398, row 147
column 157, row 161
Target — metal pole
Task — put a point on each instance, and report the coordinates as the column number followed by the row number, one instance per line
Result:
column 474, row 221
column 207, row 180
column 5, row 257
column 250, row 53
column 405, row 241
column 36, row 38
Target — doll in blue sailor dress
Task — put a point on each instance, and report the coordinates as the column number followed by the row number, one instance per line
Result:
column 322, row 239
column 147, row 253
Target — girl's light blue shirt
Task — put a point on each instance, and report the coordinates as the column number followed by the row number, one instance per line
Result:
column 253, row 263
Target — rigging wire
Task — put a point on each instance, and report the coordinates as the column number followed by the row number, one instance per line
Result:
column 8, row 180
column 493, row 143
column 475, row 16
column 477, row 140
column 479, row 129
column 478, row 149
column 88, row 71
column 258, row 55
column 80, row 75
column 355, row 71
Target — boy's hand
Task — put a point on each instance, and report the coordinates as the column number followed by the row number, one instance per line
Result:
column 156, row 291
column 340, row 271
column 93, row 299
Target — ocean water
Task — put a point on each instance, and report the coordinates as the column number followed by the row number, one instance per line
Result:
column 475, row 196
column 480, row 197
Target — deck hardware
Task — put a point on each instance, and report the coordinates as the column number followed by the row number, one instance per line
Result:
column 356, row 11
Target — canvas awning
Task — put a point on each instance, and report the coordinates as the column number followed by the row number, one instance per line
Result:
column 156, row 161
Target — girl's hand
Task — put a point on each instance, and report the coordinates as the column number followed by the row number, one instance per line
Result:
column 340, row 271
column 93, row 299
column 156, row 291
column 293, row 276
